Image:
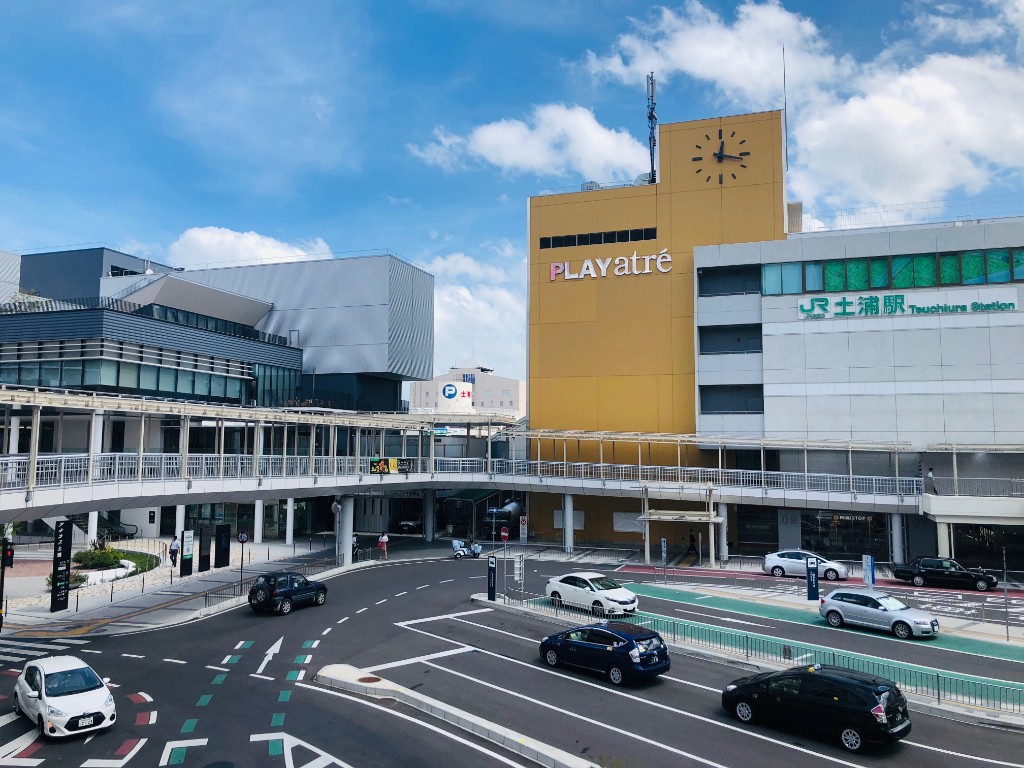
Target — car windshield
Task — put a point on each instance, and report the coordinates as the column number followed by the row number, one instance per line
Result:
column 72, row 681
column 649, row 644
column 891, row 603
column 603, row 582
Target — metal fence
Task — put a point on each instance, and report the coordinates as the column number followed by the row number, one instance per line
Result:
column 923, row 681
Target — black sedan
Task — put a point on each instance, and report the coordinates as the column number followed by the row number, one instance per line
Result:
column 854, row 707
column 619, row 650
column 282, row 590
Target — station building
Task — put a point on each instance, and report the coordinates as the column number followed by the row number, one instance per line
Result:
column 697, row 306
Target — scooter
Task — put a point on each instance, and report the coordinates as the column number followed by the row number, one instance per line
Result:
column 459, row 549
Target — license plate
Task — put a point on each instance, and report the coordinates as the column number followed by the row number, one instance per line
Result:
column 84, row 722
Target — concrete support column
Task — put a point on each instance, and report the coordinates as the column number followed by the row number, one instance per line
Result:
column 257, row 533
column 945, row 535
column 92, row 527
column 896, row 538
column 12, row 434
column 567, row 523
column 345, row 517
column 428, row 515
column 289, row 522
column 723, row 532
column 179, row 519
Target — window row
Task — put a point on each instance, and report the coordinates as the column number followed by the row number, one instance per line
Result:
column 599, row 238
column 879, row 273
column 207, row 323
column 28, row 351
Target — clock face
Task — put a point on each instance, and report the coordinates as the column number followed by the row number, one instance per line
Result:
column 723, row 158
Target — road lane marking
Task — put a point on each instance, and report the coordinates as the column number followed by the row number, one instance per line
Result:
column 342, row 620
column 419, row 659
column 310, row 643
column 381, row 601
column 260, row 677
column 326, row 630
column 723, row 618
column 173, row 746
column 423, row 586
column 401, row 593
column 270, row 652
column 361, row 610
column 987, row 760
column 217, row 669
column 441, row 617
column 446, row 581
column 176, row 661
column 127, row 751
column 132, row 656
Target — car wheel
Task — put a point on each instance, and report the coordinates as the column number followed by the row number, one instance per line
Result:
column 917, row 581
column 902, row 630
column 778, row 571
column 834, row 618
column 259, row 596
column 744, row 712
column 831, row 574
column 615, row 675
column 981, row 585
column 286, row 606
column 551, row 657
column 321, row 596
column 17, row 706
column 556, row 600
column 458, row 555
column 598, row 607
column 851, row 740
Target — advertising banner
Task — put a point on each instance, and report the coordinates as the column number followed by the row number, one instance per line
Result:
column 60, row 578
column 186, row 553
column 204, row 550
column 390, row 466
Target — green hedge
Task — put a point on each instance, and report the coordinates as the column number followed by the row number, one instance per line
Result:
column 98, row 558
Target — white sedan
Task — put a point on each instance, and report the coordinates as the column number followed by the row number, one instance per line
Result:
column 793, row 562
column 63, row 697
column 595, row 591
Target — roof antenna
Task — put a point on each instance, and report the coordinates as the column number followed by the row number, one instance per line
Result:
column 652, row 121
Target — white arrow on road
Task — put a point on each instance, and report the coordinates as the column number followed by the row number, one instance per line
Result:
column 275, row 648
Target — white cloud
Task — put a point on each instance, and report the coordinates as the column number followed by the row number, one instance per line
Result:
column 216, row 246
column 459, row 266
column 557, row 140
column 487, row 322
column 959, row 23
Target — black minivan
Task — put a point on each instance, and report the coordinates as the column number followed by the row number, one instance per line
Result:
column 856, row 707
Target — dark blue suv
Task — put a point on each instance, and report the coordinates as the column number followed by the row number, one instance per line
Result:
column 282, row 590
column 619, row 650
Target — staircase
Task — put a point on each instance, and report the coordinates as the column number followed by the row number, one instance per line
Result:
column 105, row 528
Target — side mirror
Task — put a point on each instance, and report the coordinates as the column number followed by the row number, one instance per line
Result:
column 106, row 680
column 33, row 694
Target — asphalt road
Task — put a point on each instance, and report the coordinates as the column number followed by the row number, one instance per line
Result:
column 236, row 690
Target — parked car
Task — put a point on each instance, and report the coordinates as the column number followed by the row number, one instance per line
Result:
column 856, row 708
column 943, row 572
column 619, row 650
column 63, row 696
column 877, row 610
column 411, row 525
column 605, row 596
column 793, row 562
column 282, row 590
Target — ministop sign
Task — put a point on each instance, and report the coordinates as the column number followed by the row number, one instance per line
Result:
column 504, row 534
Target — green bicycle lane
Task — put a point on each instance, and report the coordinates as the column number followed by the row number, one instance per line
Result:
column 956, row 643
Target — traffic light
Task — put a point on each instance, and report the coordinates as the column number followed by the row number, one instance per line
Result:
column 8, row 555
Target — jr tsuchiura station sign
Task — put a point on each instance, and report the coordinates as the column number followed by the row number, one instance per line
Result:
column 916, row 303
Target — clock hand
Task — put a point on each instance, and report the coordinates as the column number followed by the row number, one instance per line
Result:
column 721, row 152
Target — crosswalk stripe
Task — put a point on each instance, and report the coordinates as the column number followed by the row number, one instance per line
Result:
column 45, row 646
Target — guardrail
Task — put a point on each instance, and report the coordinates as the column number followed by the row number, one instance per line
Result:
column 940, row 685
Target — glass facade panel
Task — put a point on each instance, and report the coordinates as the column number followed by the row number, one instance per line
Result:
column 902, row 272
column 128, row 376
column 1018, row 263
column 71, row 373
column 857, row 274
column 91, row 373
column 949, row 269
column 792, row 277
column 8, row 374
column 999, row 265
column 148, row 377
column 108, row 373
column 813, row 278
column 167, row 380
column 49, row 374
column 879, row 273
column 973, row 266
column 218, row 386
column 202, row 387
column 771, row 279
column 835, row 276
column 28, row 374
column 924, row 271
column 185, row 380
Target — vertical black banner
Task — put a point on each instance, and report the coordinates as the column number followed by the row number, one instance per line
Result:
column 204, row 549
column 492, row 576
column 60, row 578
column 222, row 549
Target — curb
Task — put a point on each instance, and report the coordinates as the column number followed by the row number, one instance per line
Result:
column 916, row 702
column 349, row 678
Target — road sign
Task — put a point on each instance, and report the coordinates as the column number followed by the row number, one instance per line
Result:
column 504, row 534
column 242, row 537
column 812, row 578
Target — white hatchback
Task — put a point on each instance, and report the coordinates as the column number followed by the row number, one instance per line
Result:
column 604, row 596
column 63, row 696
column 793, row 562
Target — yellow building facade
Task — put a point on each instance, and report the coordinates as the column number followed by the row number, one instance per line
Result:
column 611, row 289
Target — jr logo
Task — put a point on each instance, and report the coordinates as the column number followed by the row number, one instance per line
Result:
column 449, row 391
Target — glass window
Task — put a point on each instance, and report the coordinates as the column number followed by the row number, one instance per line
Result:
column 771, row 279
column 556, row 242
column 71, row 373
column 108, row 373
column 167, row 379
column 568, row 241
column 949, row 269
column 545, row 242
column 636, row 234
column 651, row 233
column 203, row 384
column 813, row 280
column 49, row 374
column 902, row 271
column 91, row 373
column 924, row 271
column 596, row 238
column 857, row 274
column 128, row 376
column 973, row 265
column 879, row 273
column 217, row 386
column 835, row 275
column 234, row 389
column 792, row 277
column 622, row 236
column 148, row 377
column 1018, row 263
column 582, row 239
column 609, row 237
column 999, row 265
column 8, row 374
column 185, row 382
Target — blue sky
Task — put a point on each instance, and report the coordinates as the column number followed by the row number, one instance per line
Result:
column 206, row 133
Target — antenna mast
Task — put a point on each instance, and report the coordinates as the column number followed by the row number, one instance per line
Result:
column 652, row 121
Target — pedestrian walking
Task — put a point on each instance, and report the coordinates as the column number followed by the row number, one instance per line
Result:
column 929, row 482
column 355, row 547
column 693, row 543
column 172, row 550
column 382, row 543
